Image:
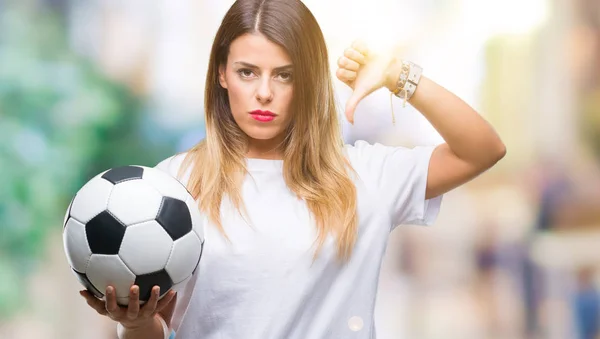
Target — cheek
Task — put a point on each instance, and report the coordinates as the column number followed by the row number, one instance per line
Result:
column 239, row 95
column 287, row 94
column 286, row 101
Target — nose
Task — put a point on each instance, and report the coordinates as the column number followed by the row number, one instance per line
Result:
column 264, row 94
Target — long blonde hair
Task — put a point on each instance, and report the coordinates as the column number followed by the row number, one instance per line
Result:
column 314, row 165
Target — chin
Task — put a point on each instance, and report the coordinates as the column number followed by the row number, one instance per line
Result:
column 262, row 133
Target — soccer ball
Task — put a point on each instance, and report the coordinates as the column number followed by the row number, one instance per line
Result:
column 133, row 225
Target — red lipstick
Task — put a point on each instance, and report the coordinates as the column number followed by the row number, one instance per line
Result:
column 263, row 116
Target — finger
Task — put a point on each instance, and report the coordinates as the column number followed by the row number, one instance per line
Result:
column 345, row 75
column 150, row 307
column 168, row 309
column 111, row 302
column 348, row 64
column 133, row 308
column 95, row 303
column 349, row 83
column 361, row 47
column 351, row 106
column 355, row 55
column 165, row 301
column 350, row 112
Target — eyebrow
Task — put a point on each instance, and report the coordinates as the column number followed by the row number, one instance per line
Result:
column 245, row 64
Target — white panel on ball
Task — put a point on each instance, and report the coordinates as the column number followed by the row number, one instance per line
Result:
column 134, row 201
column 104, row 270
column 178, row 288
column 67, row 213
column 146, row 247
column 91, row 199
column 76, row 246
column 197, row 218
column 184, row 257
column 165, row 184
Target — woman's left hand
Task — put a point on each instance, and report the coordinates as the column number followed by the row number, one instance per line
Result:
column 364, row 72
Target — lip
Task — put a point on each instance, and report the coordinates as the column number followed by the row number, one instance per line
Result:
column 263, row 116
column 265, row 113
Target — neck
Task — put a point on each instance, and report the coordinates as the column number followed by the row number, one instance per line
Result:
column 265, row 149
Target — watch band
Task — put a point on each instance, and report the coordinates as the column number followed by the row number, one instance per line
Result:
column 408, row 80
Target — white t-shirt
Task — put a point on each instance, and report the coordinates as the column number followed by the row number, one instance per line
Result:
column 265, row 285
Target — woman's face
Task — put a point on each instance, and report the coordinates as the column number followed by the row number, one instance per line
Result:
column 258, row 77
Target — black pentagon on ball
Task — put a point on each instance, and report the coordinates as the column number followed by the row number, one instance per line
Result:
column 83, row 279
column 147, row 281
column 125, row 173
column 104, row 234
column 174, row 216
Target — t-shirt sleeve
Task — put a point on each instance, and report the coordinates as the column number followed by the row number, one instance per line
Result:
column 184, row 296
column 398, row 175
column 172, row 165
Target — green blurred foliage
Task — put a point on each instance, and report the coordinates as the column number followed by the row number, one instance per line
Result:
column 61, row 122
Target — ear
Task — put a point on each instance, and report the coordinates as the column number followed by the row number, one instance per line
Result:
column 222, row 79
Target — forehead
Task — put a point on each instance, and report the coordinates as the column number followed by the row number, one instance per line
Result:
column 258, row 50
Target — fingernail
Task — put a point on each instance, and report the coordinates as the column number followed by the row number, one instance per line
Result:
column 136, row 290
column 109, row 290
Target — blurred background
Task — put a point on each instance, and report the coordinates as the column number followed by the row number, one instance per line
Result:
column 89, row 85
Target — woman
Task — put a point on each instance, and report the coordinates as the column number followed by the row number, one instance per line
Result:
column 298, row 221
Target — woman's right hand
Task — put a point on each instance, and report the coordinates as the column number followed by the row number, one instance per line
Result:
column 133, row 316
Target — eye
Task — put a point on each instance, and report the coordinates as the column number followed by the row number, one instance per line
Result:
column 287, row 76
column 245, row 73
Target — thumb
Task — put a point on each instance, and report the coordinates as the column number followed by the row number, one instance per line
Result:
column 351, row 104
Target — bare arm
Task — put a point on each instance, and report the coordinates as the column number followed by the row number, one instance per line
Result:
column 472, row 146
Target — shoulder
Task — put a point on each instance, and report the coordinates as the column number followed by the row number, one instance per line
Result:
column 172, row 164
